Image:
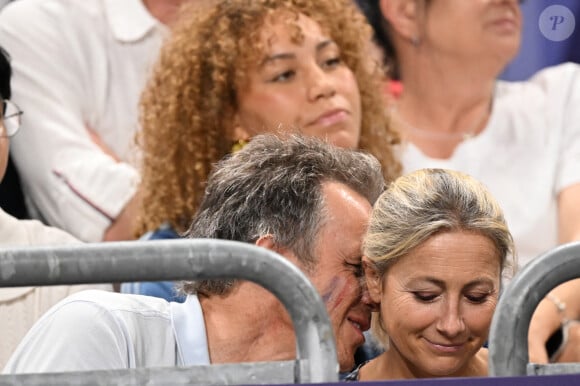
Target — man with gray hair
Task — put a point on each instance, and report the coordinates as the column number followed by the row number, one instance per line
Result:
column 302, row 198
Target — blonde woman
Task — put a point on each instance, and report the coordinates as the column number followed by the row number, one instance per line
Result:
column 434, row 254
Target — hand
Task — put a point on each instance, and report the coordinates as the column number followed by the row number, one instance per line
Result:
column 123, row 228
column 546, row 320
column 537, row 350
column 99, row 142
column 571, row 350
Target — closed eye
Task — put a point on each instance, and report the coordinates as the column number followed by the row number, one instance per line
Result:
column 425, row 297
column 332, row 62
column 477, row 298
column 284, row 76
column 356, row 268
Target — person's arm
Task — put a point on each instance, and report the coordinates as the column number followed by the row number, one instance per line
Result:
column 563, row 302
column 75, row 185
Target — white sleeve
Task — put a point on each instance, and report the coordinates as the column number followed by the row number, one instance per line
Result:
column 73, row 336
column 569, row 167
column 561, row 85
column 75, row 185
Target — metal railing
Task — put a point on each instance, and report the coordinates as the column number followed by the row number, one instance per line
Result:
column 316, row 357
column 508, row 340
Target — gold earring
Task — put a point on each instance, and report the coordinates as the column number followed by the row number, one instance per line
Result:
column 416, row 40
column 239, row 145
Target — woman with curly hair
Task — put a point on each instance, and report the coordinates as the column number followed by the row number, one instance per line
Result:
column 234, row 69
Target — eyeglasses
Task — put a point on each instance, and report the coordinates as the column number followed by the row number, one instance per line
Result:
column 11, row 114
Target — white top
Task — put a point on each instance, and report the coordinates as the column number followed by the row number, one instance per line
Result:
column 95, row 330
column 78, row 65
column 20, row 307
column 528, row 153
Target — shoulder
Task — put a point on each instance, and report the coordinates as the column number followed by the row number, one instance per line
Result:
column 552, row 84
column 481, row 362
column 107, row 314
column 354, row 374
column 31, row 232
column 46, row 9
column 103, row 331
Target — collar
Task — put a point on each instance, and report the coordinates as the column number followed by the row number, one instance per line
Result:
column 129, row 20
column 189, row 330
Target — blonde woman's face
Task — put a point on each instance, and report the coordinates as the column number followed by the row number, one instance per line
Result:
column 301, row 87
column 437, row 303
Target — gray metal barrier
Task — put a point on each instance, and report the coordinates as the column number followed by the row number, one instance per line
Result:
column 316, row 359
column 508, row 340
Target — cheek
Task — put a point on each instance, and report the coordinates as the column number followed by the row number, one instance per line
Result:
column 348, row 86
column 401, row 313
column 265, row 110
column 340, row 293
column 479, row 318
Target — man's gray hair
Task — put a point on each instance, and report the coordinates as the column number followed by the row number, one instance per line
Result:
column 273, row 186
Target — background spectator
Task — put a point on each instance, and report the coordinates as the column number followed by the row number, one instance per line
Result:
column 79, row 68
column 20, row 307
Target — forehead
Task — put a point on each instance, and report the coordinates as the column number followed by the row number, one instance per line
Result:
column 290, row 28
column 345, row 217
column 451, row 256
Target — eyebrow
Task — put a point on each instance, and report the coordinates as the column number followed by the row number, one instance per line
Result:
column 289, row 55
column 441, row 283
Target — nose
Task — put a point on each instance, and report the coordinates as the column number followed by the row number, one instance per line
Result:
column 320, row 84
column 451, row 323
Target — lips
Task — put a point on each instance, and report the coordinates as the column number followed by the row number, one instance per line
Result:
column 505, row 22
column 329, row 117
column 446, row 348
column 361, row 323
column 505, row 19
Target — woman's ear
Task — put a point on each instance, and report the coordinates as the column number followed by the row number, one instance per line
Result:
column 239, row 136
column 373, row 279
column 403, row 16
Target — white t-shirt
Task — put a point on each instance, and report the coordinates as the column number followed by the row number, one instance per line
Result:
column 78, row 65
column 528, row 153
column 96, row 330
column 21, row 307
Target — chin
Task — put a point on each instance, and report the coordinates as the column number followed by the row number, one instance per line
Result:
column 344, row 140
column 346, row 366
column 345, row 359
column 443, row 371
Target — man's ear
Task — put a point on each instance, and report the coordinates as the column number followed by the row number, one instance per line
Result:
column 404, row 18
column 373, row 279
column 268, row 242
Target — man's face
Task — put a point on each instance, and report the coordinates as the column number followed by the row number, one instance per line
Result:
column 338, row 273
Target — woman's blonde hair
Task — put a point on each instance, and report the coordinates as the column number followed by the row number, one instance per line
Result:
column 188, row 106
column 424, row 203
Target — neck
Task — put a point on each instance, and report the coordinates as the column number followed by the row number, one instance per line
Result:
column 391, row 365
column 440, row 108
column 444, row 89
column 163, row 10
column 249, row 325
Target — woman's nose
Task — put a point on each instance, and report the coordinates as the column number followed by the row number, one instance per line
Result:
column 320, row 85
column 451, row 322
